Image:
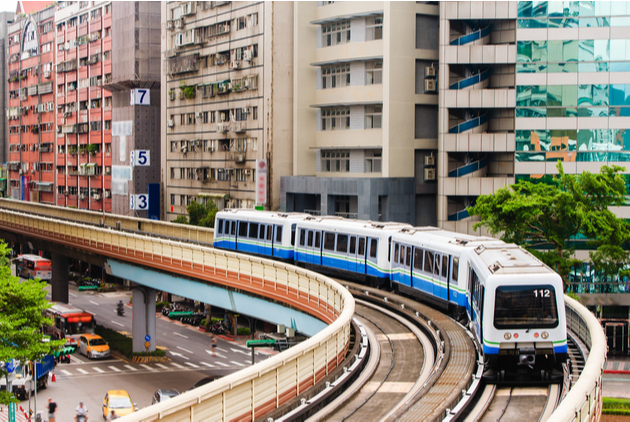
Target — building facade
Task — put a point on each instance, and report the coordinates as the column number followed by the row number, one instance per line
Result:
column 227, row 95
column 6, row 18
column 365, row 108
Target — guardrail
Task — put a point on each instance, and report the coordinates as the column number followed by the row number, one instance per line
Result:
column 584, row 400
column 120, row 222
column 252, row 392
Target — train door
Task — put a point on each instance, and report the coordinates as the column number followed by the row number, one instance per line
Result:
column 372, row 257
column 342, row 252
column 302, row 252
column 440, row 288
column 361, row 249
column 352, row 254
column 405, row 262
column 418, row 254
column 229, row 231
column 453, row 293
column 263, row 247
column 277, row 242
column 317, row 247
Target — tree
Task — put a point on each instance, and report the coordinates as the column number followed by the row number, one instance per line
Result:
column 199, row 214
column 21, row 320
column 547, row 218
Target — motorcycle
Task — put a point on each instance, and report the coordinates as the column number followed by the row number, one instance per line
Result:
column 120, row 311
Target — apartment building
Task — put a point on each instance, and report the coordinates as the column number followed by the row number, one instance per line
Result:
column 6, row 18
column 227, row 95
column 365, row 111
column 30, row 111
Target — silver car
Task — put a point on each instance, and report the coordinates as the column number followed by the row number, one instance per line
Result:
column 164, row 394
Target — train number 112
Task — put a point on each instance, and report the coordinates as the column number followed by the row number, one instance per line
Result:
column 542, row 293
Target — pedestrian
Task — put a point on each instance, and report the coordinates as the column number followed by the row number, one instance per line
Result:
column 52, row 410
column 112, row 416
column 214, row 344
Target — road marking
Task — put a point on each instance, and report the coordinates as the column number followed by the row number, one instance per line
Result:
column 223, row 364
column 147, row 367
column 237, row 363
column 96, row 303
column 192, row 365
column 66, row 372
column 207, row 364
column 98, row 370
column 177, row 365
column 162, row 366
column 178, row 334
column 223, row 350
column 216, row 354
column 113, row 368
column 185, row 350
column 83, row 371
column 118, row 323
column 240, row 351
column 131, row 368
column 72, row 294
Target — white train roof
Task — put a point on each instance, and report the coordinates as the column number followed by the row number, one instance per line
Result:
column 249, row 214
column 340, row 224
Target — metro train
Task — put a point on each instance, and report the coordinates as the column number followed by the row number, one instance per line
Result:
column 513, row 303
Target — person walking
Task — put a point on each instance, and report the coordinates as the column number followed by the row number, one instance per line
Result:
column 213, row 344
column 52, row 410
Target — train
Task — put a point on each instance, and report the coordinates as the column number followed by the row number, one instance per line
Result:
column 511, row 301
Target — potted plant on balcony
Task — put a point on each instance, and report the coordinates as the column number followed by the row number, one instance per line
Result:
column 92, row 148
column 72, row 149
column 82, row 149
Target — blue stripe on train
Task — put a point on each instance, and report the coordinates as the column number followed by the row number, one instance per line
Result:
column 488, row 350
column 286, row 254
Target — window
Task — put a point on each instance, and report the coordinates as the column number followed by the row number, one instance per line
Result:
column 444, row 266
column 373, row 116
column 329, row 241
column 336, row 33
column 240, row 23
column 318, row 238
column 428, row 262
column 253, row 230
column 373, row 248
column 336, row 76
column 253, row 19
column 83, row 18
column 525, row 306
column 374, row 28
column 302, row 236
column 373, row 160
column 353, row 245
column 337, row 118
column 395, row 252
column 335, row 161
column 417, row 259
column 342, row 243
column 310, row 239
column 436, row 268
column 455, row 272
column 278, row 234
column 254, row 113
column 374, row 72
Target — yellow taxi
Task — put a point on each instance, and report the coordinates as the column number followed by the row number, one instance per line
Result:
column 119, row 401
column 93, row 346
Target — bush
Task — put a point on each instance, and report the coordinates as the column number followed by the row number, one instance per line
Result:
column 121, row 343
column 618, row 404
column 243, row 331
column 160, row 305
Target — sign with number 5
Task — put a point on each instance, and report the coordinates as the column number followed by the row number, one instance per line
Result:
column 140, row 157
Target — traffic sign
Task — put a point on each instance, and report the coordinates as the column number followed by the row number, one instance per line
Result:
column 147, row 344
column 147, row 338
column 11, row 412
column 11, row 365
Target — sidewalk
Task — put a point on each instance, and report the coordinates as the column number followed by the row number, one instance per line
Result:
column 617, row 365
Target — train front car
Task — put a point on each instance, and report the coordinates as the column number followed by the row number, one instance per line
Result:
column 523, row 323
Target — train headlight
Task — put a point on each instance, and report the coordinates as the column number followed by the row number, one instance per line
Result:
column 507, row 336
column 544, row 335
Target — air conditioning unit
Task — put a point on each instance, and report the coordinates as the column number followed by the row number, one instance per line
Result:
column 429, row 174
column 211, row 149
column 247, row 55
column 47, row 75
column 239, row 158
column 430, row 85
column 430, row 72
column 248, row 110
column 235, row 64
column 171, row 123
column 223, row 127
column 429, row 160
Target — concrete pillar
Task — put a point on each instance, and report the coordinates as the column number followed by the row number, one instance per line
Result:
column 59, row 282
column 143, row 318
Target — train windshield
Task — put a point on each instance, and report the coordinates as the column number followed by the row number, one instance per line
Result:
column 525, row 307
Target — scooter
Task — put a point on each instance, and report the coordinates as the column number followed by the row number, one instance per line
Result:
column 120, row 311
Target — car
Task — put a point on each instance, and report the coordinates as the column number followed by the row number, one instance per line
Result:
column 203, row 381
column 163, row 395
column 93, row 346
column 118, row 401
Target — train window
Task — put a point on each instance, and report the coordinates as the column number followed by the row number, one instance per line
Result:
column 329, row 241
column 293, row 234
column 455, row 269
column 417, row 259
column 428, row 262
column 402, row 255
column 261, row 232
column 373, row 248
column 310, row 239
column 342, row 243
column 408, row 261
column 444, row 266
column 436, row 267
column 242, row 229
column 233, row 228
column 361, row 246
column 302, row 236
column 520, row 306
column 395, row 252
column 253, row 230
column 353, row 245
column 318, row 239
column 219, row 226
column 269, row 230
column 279, row 234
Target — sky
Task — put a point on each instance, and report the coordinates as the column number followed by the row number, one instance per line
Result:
column 8, row 6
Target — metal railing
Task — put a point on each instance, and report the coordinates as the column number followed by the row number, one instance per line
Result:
column 252, row 392
column 584, row 400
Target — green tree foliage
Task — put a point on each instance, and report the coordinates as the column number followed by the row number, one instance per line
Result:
column 21, row 319
column 549, row 216
column 199, row 214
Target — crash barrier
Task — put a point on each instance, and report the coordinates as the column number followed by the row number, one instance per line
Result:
column 120, row 222
column 584, row 400
column 252, row 392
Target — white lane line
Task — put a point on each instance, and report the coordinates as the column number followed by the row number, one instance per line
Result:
column 66, row 372
column 241, row 351
column 118, row 323
column 207, row 364
column 99, row 370
column 147, row 367
column 162, row 366
column 186, row 350
column 223, row 350
column 177, row 365
column 131, row 368
column 95, row 303
column 72, row 294
column 83, row 371
column 237, row 363
column 223, row 364
column 178, row 334
column 113, row 368
column 192, row 365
